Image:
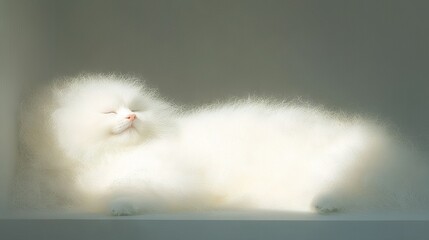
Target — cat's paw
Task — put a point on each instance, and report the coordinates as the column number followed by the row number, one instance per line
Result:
column 326, row 205
column 122, row 207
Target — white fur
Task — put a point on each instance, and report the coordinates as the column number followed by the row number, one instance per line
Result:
column 246, row 154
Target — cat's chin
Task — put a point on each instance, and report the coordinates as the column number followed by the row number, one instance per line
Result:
column 127, row 136
column 125, row 130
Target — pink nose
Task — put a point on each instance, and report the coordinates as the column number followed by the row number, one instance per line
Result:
column 131, row 117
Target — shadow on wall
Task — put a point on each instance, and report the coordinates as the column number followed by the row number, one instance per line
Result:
column 23, row 62
column 6, row 120
column 8, row 142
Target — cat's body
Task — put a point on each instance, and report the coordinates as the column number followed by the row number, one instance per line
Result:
column 248, row 154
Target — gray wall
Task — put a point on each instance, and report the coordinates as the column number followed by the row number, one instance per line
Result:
column 368, row 57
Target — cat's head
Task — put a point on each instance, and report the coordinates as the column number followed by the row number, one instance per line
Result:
column 102, row 113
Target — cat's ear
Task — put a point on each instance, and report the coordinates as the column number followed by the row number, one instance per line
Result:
column 58, row 94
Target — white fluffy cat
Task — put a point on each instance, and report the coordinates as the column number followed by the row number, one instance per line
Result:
column 108, row 143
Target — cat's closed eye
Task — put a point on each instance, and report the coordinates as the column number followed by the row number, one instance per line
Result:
column 109, row 112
